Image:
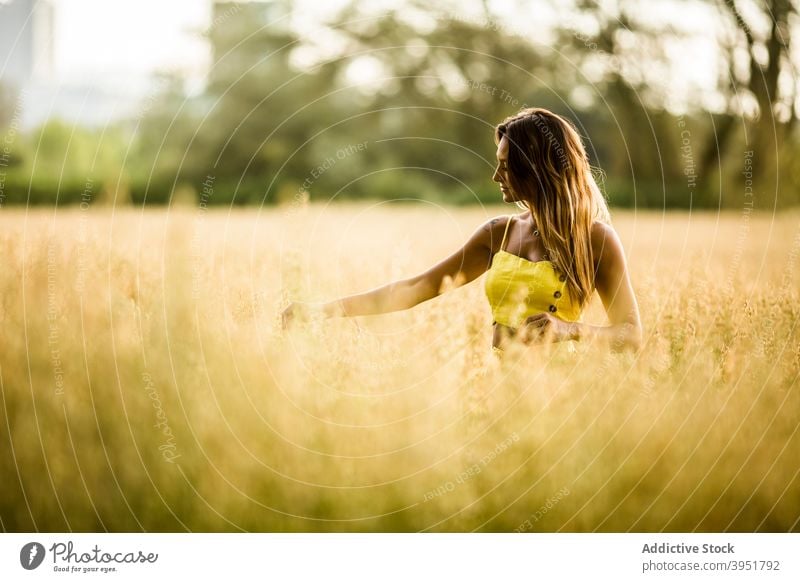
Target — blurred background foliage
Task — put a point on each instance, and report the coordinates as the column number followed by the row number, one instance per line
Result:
column 401, row 103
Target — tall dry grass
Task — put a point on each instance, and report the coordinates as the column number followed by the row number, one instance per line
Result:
column 146, row 384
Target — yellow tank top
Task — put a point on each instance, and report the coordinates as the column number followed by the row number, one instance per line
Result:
column 518, row 288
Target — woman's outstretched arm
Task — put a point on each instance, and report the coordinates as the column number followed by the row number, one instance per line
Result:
column 463, row 266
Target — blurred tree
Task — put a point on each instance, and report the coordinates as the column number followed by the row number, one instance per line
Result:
column 58, row 160
column 11, row 155
column 627, row 53
column 8, row 98
column 439, row 84
column 401, row 103
column 760, row 86
column 249, row 128
column 624, row 72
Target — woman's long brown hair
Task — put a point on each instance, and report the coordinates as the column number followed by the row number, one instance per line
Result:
column 549, row 171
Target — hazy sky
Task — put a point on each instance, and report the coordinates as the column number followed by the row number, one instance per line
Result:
column 123, row 37
column 120, row 41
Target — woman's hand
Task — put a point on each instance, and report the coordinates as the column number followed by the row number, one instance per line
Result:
column 544, row 327
column 288, row 315
column 299, row 311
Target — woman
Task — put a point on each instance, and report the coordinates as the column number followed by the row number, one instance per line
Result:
column 543, row 264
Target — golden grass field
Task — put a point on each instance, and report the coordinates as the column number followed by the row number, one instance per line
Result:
column 147, row 385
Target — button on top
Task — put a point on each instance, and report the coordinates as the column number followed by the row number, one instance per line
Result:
column 562, row 278
column 553, row 309
column 557, row 294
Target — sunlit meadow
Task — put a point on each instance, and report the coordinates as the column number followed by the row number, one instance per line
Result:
column 147, row 384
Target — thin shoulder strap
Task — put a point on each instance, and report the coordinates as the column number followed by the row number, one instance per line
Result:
column 503, row 242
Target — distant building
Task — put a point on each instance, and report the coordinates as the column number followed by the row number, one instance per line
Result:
column 28, row 44
column 28, row 68
column 26, row 41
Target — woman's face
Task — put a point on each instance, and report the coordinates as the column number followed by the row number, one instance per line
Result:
column 501, row 173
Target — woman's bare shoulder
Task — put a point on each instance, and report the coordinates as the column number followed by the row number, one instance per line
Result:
column 494, row 228
column 605, row 242
column 601, row 230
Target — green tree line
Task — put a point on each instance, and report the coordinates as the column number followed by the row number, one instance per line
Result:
column 401, row 104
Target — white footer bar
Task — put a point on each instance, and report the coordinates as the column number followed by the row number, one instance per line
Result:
column 389, row 557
